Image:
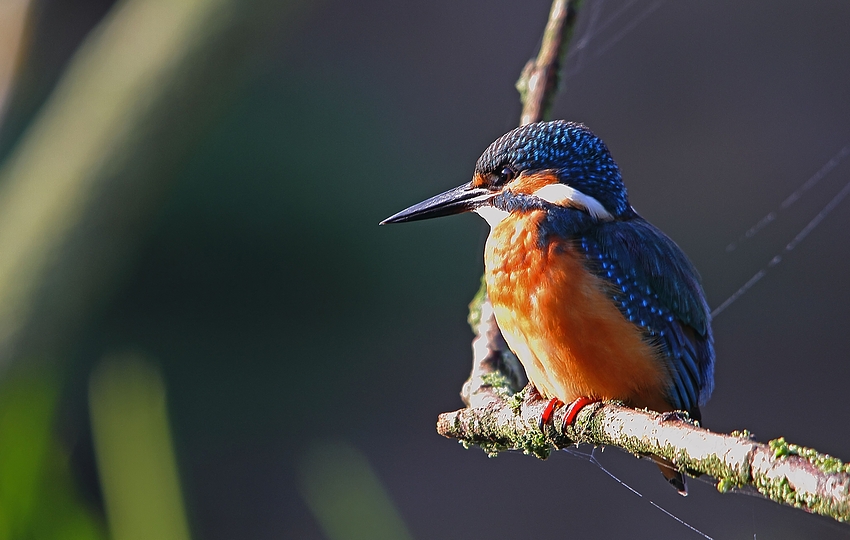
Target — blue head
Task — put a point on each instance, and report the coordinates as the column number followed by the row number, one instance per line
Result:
column 547, row 163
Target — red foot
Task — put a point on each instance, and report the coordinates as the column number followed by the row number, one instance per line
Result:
column 553, row 405
column 574, row 407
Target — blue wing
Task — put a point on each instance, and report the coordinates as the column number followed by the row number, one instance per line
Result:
column 656, row 287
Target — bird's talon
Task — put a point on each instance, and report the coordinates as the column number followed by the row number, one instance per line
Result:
column 553, row 405
column 574, row 408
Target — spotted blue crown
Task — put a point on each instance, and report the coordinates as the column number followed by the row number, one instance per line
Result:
column 580, row 158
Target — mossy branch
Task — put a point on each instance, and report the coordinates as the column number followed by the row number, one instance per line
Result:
column 785, row 473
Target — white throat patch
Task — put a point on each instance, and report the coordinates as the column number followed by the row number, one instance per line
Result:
column 491, row 214
column 564, row 195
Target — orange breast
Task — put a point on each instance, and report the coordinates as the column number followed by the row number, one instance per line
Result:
column 560, row 321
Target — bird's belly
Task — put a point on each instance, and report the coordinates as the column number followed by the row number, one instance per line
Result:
column 560, row 321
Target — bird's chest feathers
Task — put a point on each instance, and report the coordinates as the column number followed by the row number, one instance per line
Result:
column 560, row 321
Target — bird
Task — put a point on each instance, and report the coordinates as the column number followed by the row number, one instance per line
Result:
column 596, row 302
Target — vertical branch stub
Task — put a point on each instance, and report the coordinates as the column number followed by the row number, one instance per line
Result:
column 539, row 80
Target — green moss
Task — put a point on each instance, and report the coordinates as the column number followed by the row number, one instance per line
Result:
column 474, row 317
column 521, row 86
column 492, row 449
column 533, row 443
column 498, row 382
column 537, row 445
column 744, row 434
column 779, row 489
column 725, row 485
column 501, row 438
column 589, row 427
column 824, row 462
column 516, row 400
column 779, row 447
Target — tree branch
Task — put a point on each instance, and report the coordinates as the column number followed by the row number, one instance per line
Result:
column 500, row 415
column 783, row 472
column 540, row 77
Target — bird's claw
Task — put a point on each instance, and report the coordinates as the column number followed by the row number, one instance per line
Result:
column 553, row 405
column 572, row 410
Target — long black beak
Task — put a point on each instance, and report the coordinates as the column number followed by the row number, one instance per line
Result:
column 454, row 201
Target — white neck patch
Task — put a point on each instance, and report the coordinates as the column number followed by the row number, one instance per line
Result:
column 564, row 195
column 491, row 214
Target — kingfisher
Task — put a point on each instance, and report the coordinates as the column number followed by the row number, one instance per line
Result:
column 596, row 302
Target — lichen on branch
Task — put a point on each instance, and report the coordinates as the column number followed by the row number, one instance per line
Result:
column 782, row 472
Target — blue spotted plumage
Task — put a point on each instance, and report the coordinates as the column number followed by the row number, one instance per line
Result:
column 655, row 286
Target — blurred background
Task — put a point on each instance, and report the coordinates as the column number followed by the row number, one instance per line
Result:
column 204, row 333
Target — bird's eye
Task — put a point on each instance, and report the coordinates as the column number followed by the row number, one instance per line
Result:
column 506, row 175
column 499, row 178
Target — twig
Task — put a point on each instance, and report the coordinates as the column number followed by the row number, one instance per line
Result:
column 539, row 80
column 500, row 416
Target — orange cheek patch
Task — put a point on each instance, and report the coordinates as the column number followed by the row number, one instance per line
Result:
column 527, row 184
column 478, row 180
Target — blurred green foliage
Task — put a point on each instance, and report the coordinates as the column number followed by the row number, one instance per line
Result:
column 77, row 193
column 38, row 498
column 135, row 456
column 346, row 496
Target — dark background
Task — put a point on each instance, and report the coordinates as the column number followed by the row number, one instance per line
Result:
column 281, row 315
